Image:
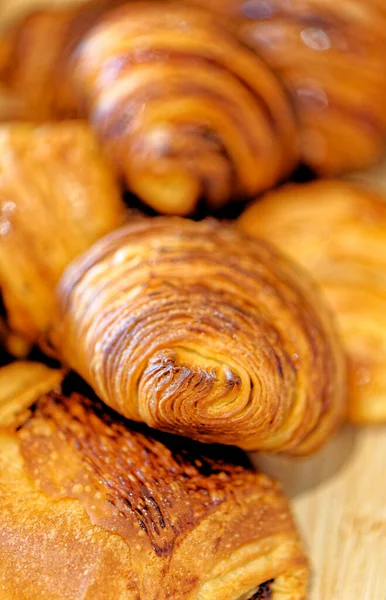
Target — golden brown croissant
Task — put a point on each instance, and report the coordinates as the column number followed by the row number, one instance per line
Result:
column 183, row 109
column 93, row 508
column 196, row 329
column 338, row 232
column 57, row 197
column 330, row 56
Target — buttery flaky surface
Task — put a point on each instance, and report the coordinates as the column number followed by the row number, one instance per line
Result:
column 93, row 508
column 57, row 197
column 199, row 330
column 329, row 54
column 183, row 109
column 338, row 232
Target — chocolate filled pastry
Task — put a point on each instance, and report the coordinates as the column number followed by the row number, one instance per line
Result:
column 338, row 232
column 330, row 57
column 182, row 108
column 196, row 329
column 94, row 507
column 57, row 197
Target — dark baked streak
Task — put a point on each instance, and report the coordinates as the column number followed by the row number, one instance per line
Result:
column 264, row 592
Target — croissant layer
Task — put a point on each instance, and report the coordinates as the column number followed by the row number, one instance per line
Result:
column 196, row 329
column 96, row 508
column 338, row 232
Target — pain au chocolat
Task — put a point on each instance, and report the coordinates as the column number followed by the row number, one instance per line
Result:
column 94, row 507
column 182, row 108
column 338, row 232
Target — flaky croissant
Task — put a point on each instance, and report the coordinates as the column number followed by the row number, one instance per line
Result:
column 198, row 330
column 94, row 508
column 330, row 56
column 338, row 232
column 57, row 197
column 183, row 109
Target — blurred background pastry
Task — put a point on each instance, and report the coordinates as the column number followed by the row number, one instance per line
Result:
column 337, row 232
column 181, row 107
column 57, row 197
column 330, row 56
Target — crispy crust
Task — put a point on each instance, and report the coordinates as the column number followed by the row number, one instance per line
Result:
column 338, row 232
column 198, row 330
column 93, row 508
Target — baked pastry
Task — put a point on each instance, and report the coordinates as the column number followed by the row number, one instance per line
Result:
column 338, row 232
column 198, row 330
column 57, row 197
column 21, row 384
column 96, row 508
column 183, row 109
column 330, row 56
column 36, row 57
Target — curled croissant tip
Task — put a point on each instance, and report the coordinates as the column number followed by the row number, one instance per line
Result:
column 182, row 395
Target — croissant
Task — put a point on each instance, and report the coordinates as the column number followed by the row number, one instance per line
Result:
column 329, row 54
column 94, row 508
column 182, row 108
column 338, row 232
column 196, row 329
column 57, row 197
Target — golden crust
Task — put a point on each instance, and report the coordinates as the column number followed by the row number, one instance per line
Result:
column 57, row 197
column 338, row 232
column 94, row 508
column 196, row 329
column 330, row 56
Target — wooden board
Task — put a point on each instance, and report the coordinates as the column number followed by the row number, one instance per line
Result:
column 339, row 501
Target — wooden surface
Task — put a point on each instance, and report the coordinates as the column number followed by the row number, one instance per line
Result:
column 339, row 496
column 339, row 501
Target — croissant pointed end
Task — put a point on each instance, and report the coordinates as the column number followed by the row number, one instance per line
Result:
column 170, row 191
